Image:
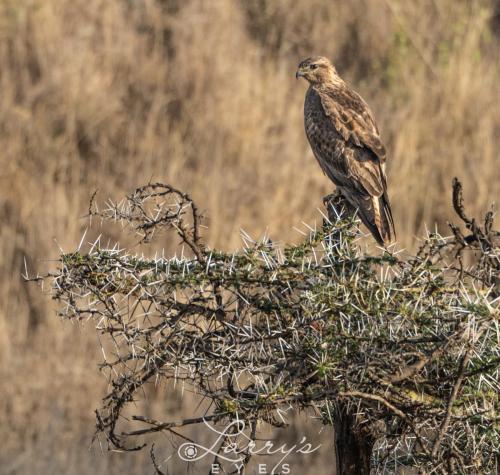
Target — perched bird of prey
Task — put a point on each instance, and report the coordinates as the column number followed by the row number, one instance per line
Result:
column 345, row 141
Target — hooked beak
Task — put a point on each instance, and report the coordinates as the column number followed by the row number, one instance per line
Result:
column 299, row 74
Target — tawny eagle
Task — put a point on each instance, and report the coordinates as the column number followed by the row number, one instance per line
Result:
column 345, row 140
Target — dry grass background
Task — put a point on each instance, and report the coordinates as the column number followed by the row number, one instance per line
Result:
column 109, row 94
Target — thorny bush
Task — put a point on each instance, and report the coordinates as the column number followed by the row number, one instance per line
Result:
column 410, row 346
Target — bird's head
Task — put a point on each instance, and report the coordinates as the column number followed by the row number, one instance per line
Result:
column 317, row 70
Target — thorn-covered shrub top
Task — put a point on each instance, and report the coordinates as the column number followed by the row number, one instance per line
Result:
column 411, row 346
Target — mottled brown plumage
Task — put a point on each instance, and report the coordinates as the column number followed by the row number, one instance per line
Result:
column 345, row 141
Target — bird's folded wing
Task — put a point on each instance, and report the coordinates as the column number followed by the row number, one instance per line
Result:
column 352, row 119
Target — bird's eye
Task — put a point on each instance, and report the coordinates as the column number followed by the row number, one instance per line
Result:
column 313, row 66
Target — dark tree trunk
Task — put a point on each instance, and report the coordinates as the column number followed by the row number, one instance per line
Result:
column 353, row 445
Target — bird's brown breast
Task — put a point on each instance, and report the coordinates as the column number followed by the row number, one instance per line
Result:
column 328, row 145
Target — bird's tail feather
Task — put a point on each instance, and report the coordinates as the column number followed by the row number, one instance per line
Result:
column 375, row 213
